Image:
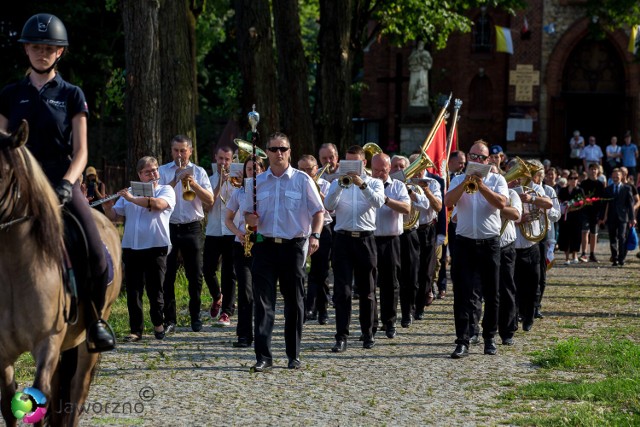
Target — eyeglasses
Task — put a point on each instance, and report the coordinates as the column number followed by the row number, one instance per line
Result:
column 276, row 149
column 481, row 157
column 149, row 172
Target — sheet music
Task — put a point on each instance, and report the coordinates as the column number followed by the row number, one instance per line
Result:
column 236, row 169
column 350, row 166
column 142, row 189
column 478, row 169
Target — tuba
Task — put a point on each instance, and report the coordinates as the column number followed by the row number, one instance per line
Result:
column 245, row 149
column 524, row 172
column 421, row 163
column 370, row 150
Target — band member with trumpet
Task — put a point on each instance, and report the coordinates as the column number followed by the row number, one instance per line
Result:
column 218, row 242
column 192, row 191
column 145, row 245
column 478, row 247
column 289, row 211
column 549, row 242
column 317, row 298
column 389, row 227
column 242, row 257
column 354, row 248
column 328, row 154
column 527, row 268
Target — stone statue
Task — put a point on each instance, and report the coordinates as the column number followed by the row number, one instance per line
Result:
column 420, row 63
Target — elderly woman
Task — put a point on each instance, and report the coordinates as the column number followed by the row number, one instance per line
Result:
column 145, row 245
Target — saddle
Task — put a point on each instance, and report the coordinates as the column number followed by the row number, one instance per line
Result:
column 76, row 273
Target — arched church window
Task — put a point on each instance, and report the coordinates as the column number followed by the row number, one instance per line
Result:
column 481, row 41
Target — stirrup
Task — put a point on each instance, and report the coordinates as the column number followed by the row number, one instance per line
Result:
column 100, row 337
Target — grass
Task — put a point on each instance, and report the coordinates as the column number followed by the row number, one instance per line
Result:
column 613, row 398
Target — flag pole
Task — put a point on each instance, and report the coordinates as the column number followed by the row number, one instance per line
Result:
column 454, row 124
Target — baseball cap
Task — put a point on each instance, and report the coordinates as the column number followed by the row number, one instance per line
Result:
column 91, row 171
column 495, row 149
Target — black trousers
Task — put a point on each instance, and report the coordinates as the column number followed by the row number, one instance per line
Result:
column 354, row 258
column 508, row 314
column 144, row 268
column 273, row 262
column 527, row 276
column 242, row 266
column 217, row 249
column 409, row 253
column 427, row 237
column 186, row 239
column 317, row 298
column 618, row 232
column 388, row 262
column 542, row 285
column 478, row 261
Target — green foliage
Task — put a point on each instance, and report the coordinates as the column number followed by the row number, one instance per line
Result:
column 614, row 14
column 431, row 20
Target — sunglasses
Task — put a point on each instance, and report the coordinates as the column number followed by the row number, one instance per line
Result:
column 276, row 149
column 481, row 157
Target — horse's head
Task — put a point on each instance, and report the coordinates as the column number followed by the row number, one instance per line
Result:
column 15, row 139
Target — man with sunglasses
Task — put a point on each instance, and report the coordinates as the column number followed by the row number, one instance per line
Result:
column 288, row 212
column 477, row 248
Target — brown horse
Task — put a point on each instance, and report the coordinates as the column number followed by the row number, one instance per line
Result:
column 33, row 302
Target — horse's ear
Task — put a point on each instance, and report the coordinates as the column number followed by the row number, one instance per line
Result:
column 20, row 136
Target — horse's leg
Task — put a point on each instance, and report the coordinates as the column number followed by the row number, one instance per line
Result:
column 85, row 369
column 60, row 408
column 7, row 390
column 47, row 355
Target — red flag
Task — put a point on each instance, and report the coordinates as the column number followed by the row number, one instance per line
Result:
column 437, row 151
column 454, row 140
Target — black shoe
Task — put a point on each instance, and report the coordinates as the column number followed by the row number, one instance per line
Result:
column 310, row 315
column 391, row 332
column 294, row 364
column 242, row 342
column 323, row 318
column 527, row 326
column 169, row 328
column 537, row 314
column 507, row 341
column 159, row 334
column 419, row 316
column 340, row 347
column 621, row 263
column 100, row 337
column 261, row 366
column 368, row 342
column 405, row 322
column 474, row 340
column 490, row 347
column 460, row 351
column 196, row 325
column 614, row 264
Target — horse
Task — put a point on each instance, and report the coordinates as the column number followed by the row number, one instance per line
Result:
column 34, row 306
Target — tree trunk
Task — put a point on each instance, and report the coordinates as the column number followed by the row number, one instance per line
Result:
column 256, row 60
column 334, row 104
column 292, row 79
column 179, row 90
column 142, row 103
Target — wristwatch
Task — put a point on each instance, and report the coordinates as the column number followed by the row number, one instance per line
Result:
column 363, row 186
column 316, row 235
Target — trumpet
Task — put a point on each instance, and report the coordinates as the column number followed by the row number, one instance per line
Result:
column 345, row 181
column 471, row 186
column 187, row 193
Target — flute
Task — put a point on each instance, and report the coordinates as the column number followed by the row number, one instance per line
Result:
column 106, row 199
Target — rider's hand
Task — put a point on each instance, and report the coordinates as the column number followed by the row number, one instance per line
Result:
column 64, row 190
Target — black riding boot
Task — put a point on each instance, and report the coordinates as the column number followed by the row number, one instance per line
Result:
column 100, row 336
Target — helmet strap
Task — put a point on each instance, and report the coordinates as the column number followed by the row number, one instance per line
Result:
column 47, row 70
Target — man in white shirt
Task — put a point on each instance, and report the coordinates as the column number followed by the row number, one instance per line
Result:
column 477, row 247
column 389, row 227
column 218, row 242
column 288, row 212
column 355, row 255
column 591, row 153
column 185, row 226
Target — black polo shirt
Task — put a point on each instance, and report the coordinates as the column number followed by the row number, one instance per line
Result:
column 49, row 112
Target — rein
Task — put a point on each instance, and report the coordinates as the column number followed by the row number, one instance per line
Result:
column 7, row 225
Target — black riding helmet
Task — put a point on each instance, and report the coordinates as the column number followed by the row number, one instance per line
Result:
column 44, row 28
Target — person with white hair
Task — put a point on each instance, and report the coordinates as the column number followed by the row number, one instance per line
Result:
column 576, row 144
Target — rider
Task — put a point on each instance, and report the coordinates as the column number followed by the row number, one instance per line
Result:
column 57, row 114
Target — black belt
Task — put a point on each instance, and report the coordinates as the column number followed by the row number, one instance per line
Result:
column 357, row 234
column 184, row 225
column 425, row 226
column 279, row 240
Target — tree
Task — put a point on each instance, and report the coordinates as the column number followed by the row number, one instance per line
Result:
column 257, row 65
column 142, row 57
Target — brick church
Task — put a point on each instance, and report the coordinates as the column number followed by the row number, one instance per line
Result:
column 560, row 78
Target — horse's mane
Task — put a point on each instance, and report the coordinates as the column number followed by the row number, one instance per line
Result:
column 37, row 200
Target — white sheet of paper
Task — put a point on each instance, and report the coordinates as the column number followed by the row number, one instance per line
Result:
column 347, row 166
column 142, row 189
column 236, row 169
column 478, row 168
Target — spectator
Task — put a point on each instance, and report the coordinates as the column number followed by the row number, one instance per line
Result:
column 629, row 155
column 592, row 153
column 95, row 188
column 614, row 155
column 576, row 144
column 570, row 224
